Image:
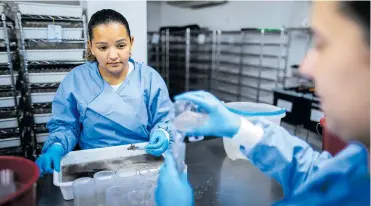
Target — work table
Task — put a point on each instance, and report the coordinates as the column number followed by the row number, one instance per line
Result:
column 216, row 180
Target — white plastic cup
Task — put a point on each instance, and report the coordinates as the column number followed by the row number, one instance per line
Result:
column 135, row 183
column 103, row 180
column 84, row 191
column 149, row 173
column 139, row 197
column 123, row 175
column 117, row 196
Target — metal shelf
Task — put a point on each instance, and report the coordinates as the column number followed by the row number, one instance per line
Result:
column 246, row 75
column 250, row 54
column 50, row 18
column 248, row 65
column 180, row 52
column 242, row 84
column 252, row 43
column 54, row 62
column 48, row 41
column 259, row 30
column 226, row 91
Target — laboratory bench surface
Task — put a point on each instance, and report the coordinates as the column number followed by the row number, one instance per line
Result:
column 216, row 180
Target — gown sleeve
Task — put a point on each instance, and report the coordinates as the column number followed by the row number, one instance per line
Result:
column 64, row 126
column 278, row 154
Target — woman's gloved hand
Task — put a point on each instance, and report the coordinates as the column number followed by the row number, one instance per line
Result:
column 50, row 160
column 221, row 122
column 172, row 188
column 158, row 143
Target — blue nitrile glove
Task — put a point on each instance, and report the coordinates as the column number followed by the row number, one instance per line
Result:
column 158, row 143
column 50, row 160
column 172, row 188
column 221, row 122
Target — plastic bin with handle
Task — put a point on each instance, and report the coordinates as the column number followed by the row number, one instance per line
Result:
column 91, row 155
column 250, row 111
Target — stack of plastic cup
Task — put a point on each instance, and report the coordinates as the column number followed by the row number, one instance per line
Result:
column 139, row 197
column 116, row 196
column 122, row 175
column 103, row 180
column 84, row 191
column 150, row 174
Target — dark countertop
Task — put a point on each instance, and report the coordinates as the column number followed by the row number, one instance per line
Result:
column 216, row 180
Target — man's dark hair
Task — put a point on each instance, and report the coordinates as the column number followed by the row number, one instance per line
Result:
column 359, row 11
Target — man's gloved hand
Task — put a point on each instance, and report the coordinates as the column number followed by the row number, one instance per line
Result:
column 158, row 143
column 172, row 188
column 50, row 160
column 221, row 122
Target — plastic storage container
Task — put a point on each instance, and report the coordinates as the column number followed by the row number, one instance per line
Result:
column 251, row 111
column 82, row 156
column 42, row 33
column 49, row 9
column 55, row 55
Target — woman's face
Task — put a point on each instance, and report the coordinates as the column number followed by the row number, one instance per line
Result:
column 340, row 66
column 111, row 46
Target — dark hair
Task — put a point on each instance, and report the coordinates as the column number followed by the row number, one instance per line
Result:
column 104, row 16
column 359, row 11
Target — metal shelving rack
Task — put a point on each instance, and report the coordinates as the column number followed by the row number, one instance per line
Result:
column 243, row 65
column 45, row 62
column 10, row 141
column 248, row 71
column 183, row 58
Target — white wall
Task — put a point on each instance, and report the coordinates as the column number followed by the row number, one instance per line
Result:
column 231, row 16
column 154, row 11
column 136, row 14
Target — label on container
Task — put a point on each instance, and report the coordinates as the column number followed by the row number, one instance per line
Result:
column 54, row 33
column 284, row 104
column 316, row 115
column 155, row 39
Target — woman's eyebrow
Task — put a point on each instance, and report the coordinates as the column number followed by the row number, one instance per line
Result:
column 121, row 40
column 101, row 43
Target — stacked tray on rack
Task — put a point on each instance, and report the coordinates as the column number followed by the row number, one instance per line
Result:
column 54, row 39
column 9, row 96
column 43, row 93
column 42, row 133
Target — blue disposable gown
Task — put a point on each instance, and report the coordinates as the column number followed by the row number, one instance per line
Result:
column 309, row 177
column 88, row 111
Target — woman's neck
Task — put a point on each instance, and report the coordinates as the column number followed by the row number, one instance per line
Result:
column 114, row 79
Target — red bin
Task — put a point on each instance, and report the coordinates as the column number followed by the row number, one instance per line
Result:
column 26, row 173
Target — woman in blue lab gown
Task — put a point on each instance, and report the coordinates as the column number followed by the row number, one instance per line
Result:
column 340, row 66
column 110, row 100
